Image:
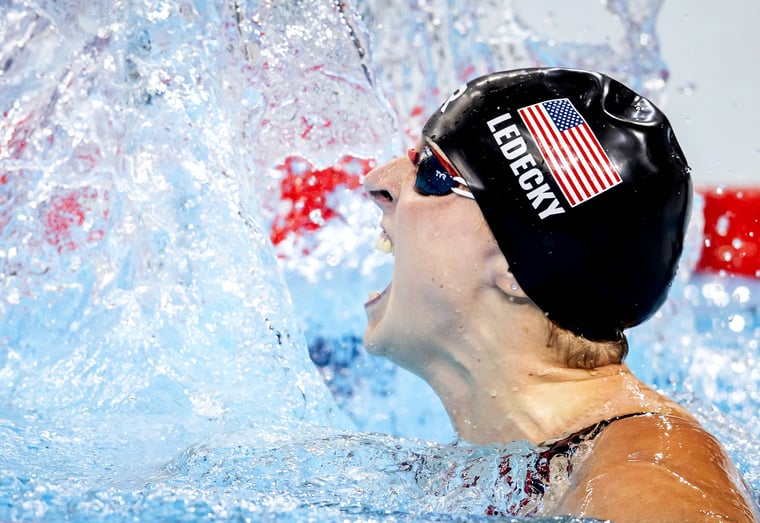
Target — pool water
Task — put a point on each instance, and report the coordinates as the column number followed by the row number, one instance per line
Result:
column 184, row 250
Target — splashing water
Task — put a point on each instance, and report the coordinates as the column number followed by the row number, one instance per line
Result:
column 151, row 362
column 142, row 304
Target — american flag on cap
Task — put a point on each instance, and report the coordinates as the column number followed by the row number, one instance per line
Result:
column 575, row 157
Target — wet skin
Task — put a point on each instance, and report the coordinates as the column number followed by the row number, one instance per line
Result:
column 451, row 317
column 438, row 245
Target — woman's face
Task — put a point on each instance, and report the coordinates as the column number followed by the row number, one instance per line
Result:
column 439, row 243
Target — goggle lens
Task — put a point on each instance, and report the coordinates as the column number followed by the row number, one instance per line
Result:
column 432, row 177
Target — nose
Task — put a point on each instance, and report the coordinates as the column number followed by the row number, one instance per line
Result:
column 383, row 184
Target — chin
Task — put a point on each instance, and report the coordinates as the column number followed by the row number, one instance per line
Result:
column 371, row 344
column 401, row 351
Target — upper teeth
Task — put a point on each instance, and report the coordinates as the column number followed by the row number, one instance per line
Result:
column 383, row 243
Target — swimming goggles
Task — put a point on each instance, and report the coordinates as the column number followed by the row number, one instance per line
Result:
column 433, row 179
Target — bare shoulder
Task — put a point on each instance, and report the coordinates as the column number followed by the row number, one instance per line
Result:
column 658, row 468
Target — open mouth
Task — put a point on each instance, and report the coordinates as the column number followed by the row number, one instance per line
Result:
column 383, row 244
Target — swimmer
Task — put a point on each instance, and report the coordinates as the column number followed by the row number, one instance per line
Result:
column 541, row 214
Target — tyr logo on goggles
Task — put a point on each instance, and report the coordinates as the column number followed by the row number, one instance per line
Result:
column 433, row 179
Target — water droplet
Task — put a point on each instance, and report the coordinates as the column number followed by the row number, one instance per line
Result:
column 736, row 323
column 716, row 293
column 741, row 294
column 688, row 89
column 721, row 227
column 316, row 217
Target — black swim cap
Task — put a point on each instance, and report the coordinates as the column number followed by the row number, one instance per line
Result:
column 583, row 185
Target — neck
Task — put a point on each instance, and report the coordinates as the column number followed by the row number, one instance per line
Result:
column 502, row 387
column 487, row 410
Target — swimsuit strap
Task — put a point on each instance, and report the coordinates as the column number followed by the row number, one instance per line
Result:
column 553, row 459
column 567, row 444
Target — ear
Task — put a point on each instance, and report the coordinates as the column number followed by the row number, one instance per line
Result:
column 503, row 278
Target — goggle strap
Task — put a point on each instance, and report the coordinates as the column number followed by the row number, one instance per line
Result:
column 462, row 192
